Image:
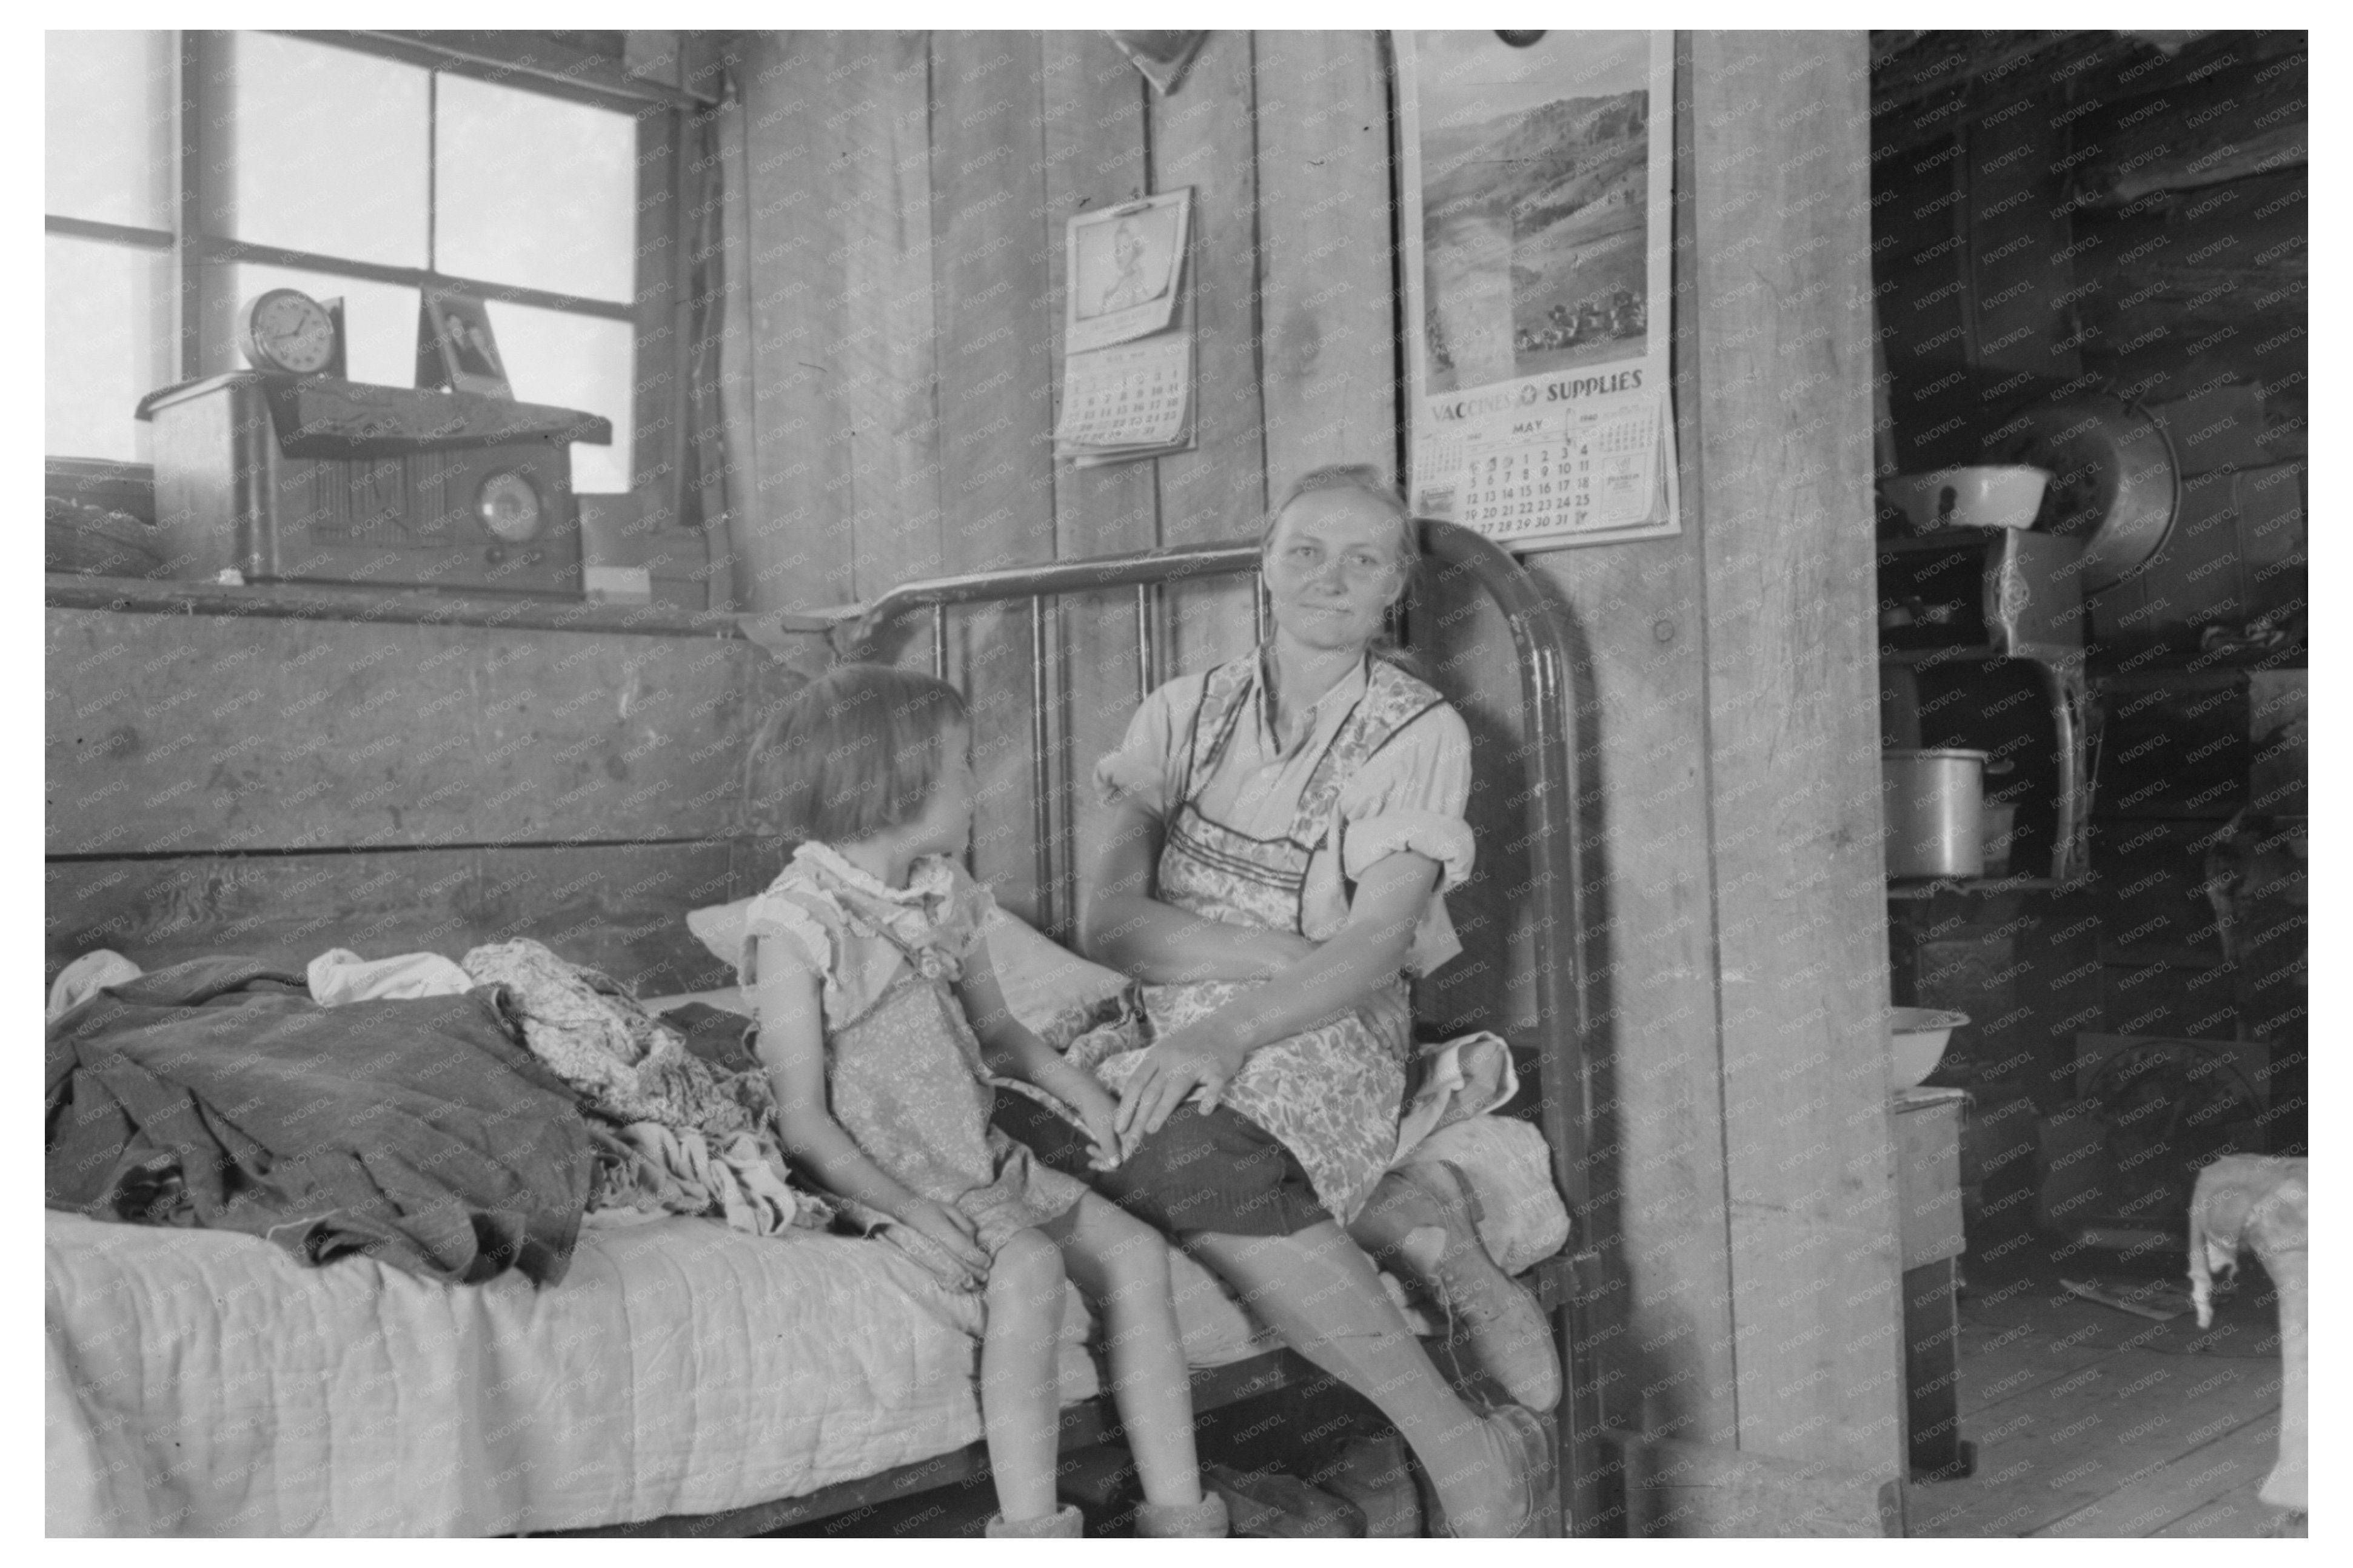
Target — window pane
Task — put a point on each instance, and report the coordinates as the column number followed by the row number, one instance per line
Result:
column 107, row 340
column 108, row 127
column 573, row 362
column 535, row 190
column 330, row 150
column 379, row 323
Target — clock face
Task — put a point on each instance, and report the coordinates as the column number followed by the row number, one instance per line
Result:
column 509, row 507
column 286, row 329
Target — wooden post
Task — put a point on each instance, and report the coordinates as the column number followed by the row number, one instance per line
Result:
column 1781, row 196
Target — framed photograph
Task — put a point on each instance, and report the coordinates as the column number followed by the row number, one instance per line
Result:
column 454, row 347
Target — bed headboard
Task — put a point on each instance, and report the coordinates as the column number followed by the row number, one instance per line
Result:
column 1547, row 875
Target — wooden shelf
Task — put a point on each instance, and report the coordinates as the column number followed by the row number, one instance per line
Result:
column 1929, row 887
column 431, row 607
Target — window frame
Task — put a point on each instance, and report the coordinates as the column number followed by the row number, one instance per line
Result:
column 526, row 61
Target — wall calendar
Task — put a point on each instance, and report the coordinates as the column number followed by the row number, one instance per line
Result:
column 1537, row 232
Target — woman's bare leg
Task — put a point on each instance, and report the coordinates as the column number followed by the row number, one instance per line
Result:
column 1121, row 1264
column 1317, row 1289
column 1020, row 1380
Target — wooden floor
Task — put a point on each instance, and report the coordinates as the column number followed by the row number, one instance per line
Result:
column 2089, row 1421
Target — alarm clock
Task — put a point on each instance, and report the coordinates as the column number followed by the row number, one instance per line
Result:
column 292, row 475
column 287, row 330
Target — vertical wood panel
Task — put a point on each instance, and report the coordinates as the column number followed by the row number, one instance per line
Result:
column 1785, row 488
column 794, row 541
column 1327, row 276
column 993, row 307
column 1203, row 136
column 1093, row 150
column 1642, row 719
column 841, row 299
column 879, row 145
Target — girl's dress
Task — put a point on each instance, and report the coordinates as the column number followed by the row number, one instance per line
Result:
column 1258, row 832
column 903, row 1069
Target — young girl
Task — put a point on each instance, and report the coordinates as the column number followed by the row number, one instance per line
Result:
column 880, row 1024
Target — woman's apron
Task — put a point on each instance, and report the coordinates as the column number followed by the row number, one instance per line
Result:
column 1331, row 1092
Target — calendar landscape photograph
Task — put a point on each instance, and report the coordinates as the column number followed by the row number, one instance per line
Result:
column 1534, row 204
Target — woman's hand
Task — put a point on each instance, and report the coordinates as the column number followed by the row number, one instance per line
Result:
column 1198, row 1056
column 952, row 1230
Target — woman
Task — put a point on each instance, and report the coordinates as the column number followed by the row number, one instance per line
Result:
column 1282, row 825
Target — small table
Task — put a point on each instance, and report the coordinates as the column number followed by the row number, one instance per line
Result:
column 1928, row 1229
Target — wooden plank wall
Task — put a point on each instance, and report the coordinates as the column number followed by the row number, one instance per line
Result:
column 277, row 787
column 1721, row 676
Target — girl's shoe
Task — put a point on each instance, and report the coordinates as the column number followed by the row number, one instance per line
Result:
column 1174, row 1520
column 1063, row 1524
column 1520, row 1447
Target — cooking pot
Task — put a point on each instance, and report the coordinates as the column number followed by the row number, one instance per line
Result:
column 2115, row 483
column 1933, row 802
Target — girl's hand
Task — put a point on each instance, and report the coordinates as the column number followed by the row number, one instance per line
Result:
column 955, row 1231
column 1098, row 1112
column 1192, row 1057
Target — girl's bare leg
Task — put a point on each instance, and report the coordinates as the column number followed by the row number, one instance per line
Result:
column 1020, row 1381
column 1121, row 1264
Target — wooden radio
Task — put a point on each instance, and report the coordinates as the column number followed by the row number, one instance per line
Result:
column 287, row 472
column 305, row 478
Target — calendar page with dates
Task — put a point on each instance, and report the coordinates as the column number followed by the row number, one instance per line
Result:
column 1135, row 395
column 1563, row 473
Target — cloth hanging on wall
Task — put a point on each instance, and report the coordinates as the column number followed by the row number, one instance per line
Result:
column 1163, row 57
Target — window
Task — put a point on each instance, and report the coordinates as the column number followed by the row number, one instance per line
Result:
column 186, row 173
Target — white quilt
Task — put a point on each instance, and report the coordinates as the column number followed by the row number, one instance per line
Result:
column 201, row 1382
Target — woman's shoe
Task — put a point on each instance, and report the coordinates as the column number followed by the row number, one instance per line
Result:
column 1166, row 1522
column 1510, row 1341
column 1063, row 1524
column 1520, row 1451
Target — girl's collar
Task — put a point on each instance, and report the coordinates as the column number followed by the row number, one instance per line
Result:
column 927, row 878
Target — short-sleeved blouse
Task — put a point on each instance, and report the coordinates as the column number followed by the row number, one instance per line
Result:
column 1408, row 795
column 833, row 913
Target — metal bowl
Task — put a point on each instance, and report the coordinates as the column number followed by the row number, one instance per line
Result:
column 1916, row 1037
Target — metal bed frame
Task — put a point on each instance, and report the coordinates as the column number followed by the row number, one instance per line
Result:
column 1568, row 1286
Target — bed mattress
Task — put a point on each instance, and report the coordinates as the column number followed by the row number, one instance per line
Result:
column 202, row 1382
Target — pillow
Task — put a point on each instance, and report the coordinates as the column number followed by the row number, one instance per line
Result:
column 721, row 928
column 1053, row 989
column 1046, row 986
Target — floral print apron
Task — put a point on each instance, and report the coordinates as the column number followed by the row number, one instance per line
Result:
column 1330, row 1094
